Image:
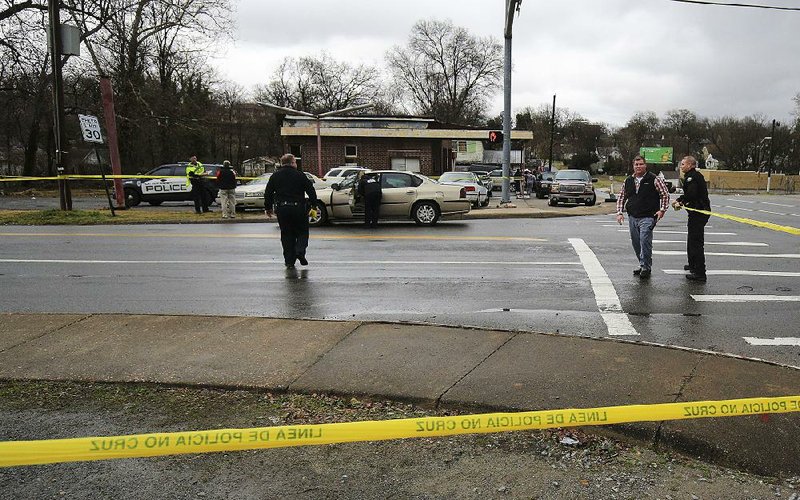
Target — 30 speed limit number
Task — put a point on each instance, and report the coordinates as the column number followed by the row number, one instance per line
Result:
column 90, row 126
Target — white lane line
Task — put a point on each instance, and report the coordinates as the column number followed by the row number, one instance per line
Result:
column 738, row 208
column 773, row 213
column 665, row 231
column 738, row 201
column 778, row 204
column 371, row 262
column 726, row 254
column 721, row 243
column 746, row 298
column 740, row 272
column 773, row 341
column 605, row 295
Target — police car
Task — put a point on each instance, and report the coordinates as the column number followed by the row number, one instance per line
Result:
column 171, row 187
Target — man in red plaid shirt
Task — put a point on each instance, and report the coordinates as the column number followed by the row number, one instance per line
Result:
column 646, row 199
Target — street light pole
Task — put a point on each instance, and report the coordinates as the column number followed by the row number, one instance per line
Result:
column 318, row 118
column 511, row 7
column 771, row 156
column 552, row 133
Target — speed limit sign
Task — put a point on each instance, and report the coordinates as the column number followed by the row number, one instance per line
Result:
column 90, row 127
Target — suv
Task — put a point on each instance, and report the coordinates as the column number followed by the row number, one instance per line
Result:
column 171, row 187
column 572, row 186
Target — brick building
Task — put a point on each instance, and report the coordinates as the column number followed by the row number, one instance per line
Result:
column 412, row 143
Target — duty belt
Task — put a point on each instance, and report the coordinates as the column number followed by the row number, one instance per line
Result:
column 289, row 203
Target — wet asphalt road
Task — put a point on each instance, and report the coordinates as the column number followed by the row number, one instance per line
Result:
column 511, row 274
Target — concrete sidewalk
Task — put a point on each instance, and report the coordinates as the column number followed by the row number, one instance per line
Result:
column 452, row 367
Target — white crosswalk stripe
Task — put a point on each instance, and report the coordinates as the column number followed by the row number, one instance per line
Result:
column 746, row 298
column 727, row 254
column 773, row 341
column 720, row 243
column 740, row 272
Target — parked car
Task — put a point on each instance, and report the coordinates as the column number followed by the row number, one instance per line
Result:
column 572, row 186
column 485, row 179
column 542, row 185
column 170, row 185
column 497, row 180
column 339, row 174
column 405, row 195
column 251, row 195
column 476, row 191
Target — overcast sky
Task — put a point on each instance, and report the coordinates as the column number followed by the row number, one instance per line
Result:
column 605, row 59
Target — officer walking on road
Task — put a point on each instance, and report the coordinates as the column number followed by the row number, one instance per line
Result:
column 194, row 177
column 370, row 188
column 695, row 195
column 285, row 191
column 645, row 197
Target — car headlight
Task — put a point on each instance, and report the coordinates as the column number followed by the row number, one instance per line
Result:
column 589, row 189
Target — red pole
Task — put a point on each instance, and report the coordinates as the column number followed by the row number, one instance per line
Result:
column 111, row 131
column 320, row 173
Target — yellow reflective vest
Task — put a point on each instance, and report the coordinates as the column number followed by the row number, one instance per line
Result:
column 196, row 170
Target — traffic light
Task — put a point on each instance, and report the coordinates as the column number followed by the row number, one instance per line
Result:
column 496, row 137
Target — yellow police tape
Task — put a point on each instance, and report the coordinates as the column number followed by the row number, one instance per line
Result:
column 15, row 453
column 767, row 225
column 100, row 177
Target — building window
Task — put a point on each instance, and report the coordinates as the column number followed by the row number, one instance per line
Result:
column 296, row 150
column 461, row 146
column 350, row 151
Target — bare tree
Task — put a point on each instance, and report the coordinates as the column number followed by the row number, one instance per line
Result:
column 320, row 83
column 447, row 72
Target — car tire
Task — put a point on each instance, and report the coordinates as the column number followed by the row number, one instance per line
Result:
column 132, row 198
column 425, row 213
column 553, row 202
column 322, row 215
column 155, row 203
column 591, row 202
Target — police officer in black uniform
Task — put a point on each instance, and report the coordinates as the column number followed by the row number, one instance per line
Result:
column 695, row 195
column 370, row 188
column 285, row 191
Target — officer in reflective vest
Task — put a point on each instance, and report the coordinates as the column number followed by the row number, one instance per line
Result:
column 194, row 177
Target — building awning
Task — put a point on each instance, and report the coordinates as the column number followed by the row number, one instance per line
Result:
column 399, row 133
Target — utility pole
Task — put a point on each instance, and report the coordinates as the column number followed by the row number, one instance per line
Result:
column 53, row 8
column 512, row 6
column 771, row 155
column 552, row 134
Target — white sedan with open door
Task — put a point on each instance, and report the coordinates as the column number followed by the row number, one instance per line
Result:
column 405, row 196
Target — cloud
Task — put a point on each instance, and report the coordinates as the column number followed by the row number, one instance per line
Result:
column 605, row 60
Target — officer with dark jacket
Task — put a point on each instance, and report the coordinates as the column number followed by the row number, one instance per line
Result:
column 695, row 195
column 370, row 188
column 226, row 181
column 285, row 191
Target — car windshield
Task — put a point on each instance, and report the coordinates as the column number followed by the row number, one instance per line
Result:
column 261, row 179
column 496, row 173
column 333, row 173
column 456, row 177
column 572, row 175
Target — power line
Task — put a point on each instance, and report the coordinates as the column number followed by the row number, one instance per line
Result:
column 727, row 4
